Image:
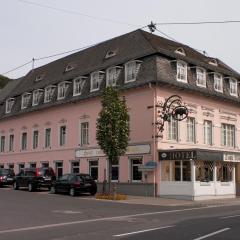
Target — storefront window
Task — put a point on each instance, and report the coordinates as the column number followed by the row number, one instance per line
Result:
column 177, row 171
column 136, row 175
column 93, row 169
column 224, row 172
column 165, row 171
column 186, row 171
column 204, row 171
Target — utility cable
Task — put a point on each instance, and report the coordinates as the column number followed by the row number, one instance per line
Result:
column 198, row 23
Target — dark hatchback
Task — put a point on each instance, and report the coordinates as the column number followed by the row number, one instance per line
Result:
column 34, row 178
column 6, row 177
column 74, row 184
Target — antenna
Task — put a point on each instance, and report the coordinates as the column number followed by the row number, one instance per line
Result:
column 33, row 61
column 152, row 27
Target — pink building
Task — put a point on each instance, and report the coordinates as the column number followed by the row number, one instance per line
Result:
column 48, row 118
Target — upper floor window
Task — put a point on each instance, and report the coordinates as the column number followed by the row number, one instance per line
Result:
column 96, row 78
column 218, row 82
column 191, row 133
column 2, row 147
column 25, row 100
column 47, row 137
column 181, row 71
column 9, row 104
column 35, row 139
column 78, row 84
column 24, row 141
column 62, row 90
column 201, row 77
column 11, row 142
column 207, row 125
column 131, row 70
column 228, row 135
column 84, row 133
column 172, row 129
column 233, row 87
column 37, row 96
column 112, row 76
column 62, row 141
column 49, row 92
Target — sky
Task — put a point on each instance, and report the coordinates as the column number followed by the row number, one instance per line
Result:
column 29, row 30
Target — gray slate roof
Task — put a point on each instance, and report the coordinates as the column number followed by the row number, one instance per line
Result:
column 155, row 52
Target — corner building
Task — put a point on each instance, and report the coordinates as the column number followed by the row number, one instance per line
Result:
column 48, row 118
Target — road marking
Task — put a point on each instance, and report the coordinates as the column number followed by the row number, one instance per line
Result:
column 67, row 212
column 142, row 231
column 212, row 234
column 105, row 219
column 232, row 216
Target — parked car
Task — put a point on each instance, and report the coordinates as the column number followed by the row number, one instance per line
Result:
column 6, row 177
column 34, row 178
column 74, row 184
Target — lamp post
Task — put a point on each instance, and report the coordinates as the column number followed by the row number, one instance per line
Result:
column 172, row 107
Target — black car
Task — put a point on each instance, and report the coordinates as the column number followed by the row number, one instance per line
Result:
column 34, row 178
column 6, row 177
column 74, row 184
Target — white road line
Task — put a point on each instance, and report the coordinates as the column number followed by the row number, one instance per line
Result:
column 232, row 216
column 105, row 219
column 212, row 234
column 142, row 231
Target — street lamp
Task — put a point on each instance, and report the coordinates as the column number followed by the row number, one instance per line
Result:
column 172, row 107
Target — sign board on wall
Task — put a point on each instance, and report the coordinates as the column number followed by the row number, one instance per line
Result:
column 97, row 152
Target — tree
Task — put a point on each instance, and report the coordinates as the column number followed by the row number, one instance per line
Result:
column 113, row 128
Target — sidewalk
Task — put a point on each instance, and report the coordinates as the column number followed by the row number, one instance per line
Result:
column 175, row 202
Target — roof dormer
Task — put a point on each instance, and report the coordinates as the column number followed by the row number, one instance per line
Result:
column 69, row 68
column 39, row 77
column 181, row 51
column 9, row 104
column 213, row 62
column 25, row 100
column 110, row 53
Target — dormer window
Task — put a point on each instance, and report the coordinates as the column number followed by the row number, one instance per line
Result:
column 9, row 104
column 62, row 89
column 213, row 62
column 78, row 84
column 110, row 54
column 39, row 78
column 181, row 71
column 48, row 94
column 25, row 100
column 180, row 51
column 37, row 94
column 218, row 82
column 69, row 68
column 131, row 70
column 96, row 78
column 233, row 87
column 112, row 75
column 201, row 77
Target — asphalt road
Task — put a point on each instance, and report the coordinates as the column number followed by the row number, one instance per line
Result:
column 43, row 216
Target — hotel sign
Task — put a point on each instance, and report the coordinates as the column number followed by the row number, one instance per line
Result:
column 97, row 152
column 177, row 155
column 231, row 158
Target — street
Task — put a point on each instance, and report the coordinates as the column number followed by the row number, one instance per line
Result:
column 39, row 215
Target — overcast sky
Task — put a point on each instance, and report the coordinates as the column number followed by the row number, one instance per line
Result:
column 28, row 30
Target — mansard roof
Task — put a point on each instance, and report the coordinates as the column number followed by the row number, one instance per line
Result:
column 156, row 53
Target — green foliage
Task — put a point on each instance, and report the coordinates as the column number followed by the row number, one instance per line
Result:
column 113, row 125
column 3, row 81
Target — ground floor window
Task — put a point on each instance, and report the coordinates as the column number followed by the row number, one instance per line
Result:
column 33, row 165
column 93, row 169
column 75, row 167
column 136, row 175
column 115, row 171
column 2, row 166
column 176, row 170
column 224, row 172
column 204, row 171
column 11, row 166
column 45, row 164
column 59, row 169
column 21, row 166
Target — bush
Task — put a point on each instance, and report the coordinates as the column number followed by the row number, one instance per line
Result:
column 111, row 197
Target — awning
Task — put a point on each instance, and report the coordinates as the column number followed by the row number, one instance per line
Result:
column 148, row 166
column 198, row 154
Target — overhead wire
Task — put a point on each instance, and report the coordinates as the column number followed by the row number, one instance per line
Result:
column 198, row 23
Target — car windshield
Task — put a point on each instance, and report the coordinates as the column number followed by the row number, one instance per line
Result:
column 4, row 172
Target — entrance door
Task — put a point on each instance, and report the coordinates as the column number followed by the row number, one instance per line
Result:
column 238, row 179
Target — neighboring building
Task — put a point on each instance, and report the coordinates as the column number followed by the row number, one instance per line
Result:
column 49, row 118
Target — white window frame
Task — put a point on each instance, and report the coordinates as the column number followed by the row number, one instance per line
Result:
column 228, row 135
column 138, row 165
column 25, row 100
column 9, row 104
column 201, row 77
column 78, row 84
column 62, row 90
column 172, row 130
column 61, row 143
column 36, row 97
column 233, row 87
column 112, row 76
column 218, row 82
column 191, row 130
column 24, row 149
column 2, row 143
column 130, row 70
column 208, row 132
column 84, row 133
column 48, row 93
column 181, row 71
column 45, row 138
column 35, row 138
column 11, row 142
column 95, row 80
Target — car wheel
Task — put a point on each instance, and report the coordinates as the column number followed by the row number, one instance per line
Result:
column 15, row 186
column 53, row 190
column 93, row 191
column 72, row 192
column 30, row 187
